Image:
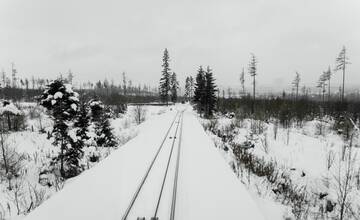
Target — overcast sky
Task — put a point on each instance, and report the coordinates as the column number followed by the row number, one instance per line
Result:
column 98, row 39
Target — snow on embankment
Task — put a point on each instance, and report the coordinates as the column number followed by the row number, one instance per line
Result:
column 104, row 191
column 208, row 189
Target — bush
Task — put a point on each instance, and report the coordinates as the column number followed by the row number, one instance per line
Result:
column 139, row 113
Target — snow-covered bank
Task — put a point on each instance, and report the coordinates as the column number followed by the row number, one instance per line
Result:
column 33, row 186
column 296, row 166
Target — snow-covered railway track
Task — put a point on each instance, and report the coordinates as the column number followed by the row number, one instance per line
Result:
column 155, row 197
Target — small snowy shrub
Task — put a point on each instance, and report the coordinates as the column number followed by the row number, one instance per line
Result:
column 139, row 113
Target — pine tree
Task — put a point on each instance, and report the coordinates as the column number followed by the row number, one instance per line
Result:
column 328, row 75
column 82, row 124
column 165, row 79
column 101, row 118
column 210, row 93
column 191, row 84
column 104, row 131
column 199, row 92
column 253, row 73
column 322, row 85
column 62, row 103
column 341, row 62
column 124, row 83
column 242, row 81
column 70, row 77
column 187, row 88
column 174, row 84
column 13, row 74
column 296, row 84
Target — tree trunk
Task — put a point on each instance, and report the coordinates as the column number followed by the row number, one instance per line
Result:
column 253, row 104
column 343, row 87
column 329, row 90
column 9, row 121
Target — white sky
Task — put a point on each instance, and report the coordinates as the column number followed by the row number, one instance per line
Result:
column 99, row 39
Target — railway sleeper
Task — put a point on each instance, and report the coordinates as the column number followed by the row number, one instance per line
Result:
column 143, row 218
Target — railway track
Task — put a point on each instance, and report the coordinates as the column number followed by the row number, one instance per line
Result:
column 156, row 192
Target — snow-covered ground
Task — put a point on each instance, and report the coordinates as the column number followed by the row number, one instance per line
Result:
column 311, row 162
column 33, row 145
column 207, row 188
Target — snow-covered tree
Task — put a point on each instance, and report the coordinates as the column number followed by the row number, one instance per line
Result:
column 101, row 118
column 62, row 103
column 82, row 123
column 8, row 114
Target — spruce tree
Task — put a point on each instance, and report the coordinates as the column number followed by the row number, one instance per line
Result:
column 187, row 88
column 296, row 84
column 242, row 81
column 82, row 124
column 210, row 93
column 62, row 103
column 174, row 87
column 191, row 84
column 199, row 93
column 253, row 73
column 164, row 87
column 101, row 118
column 341, row 62
column 328, row 75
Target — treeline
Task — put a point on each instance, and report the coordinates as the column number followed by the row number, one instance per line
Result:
column 18, row 89
column 288, row 111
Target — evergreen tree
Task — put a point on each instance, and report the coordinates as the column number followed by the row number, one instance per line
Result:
column 191, row 84
column 165, row 79
column 242, row 81
column 124, row 83
column 82, row 124
column 70, row 77
column 296, row 84
column 341, row 62
column 328, row 75
column 187, row 88
column 62, row 103
column 210, row 93
column 322, row 86
column 253, row 73
column 199, row 92
column 101, row 118
column 174, row 87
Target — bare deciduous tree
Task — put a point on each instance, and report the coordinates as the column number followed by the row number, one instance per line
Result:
column 139, row 114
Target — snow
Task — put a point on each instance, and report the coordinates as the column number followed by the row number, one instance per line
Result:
column 58, row 95
column 301, row 155
column 10, row 108
column 38, row 150
column 207, row 188
column 73, row 106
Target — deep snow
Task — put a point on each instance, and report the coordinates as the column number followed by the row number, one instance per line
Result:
column 207, row 188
